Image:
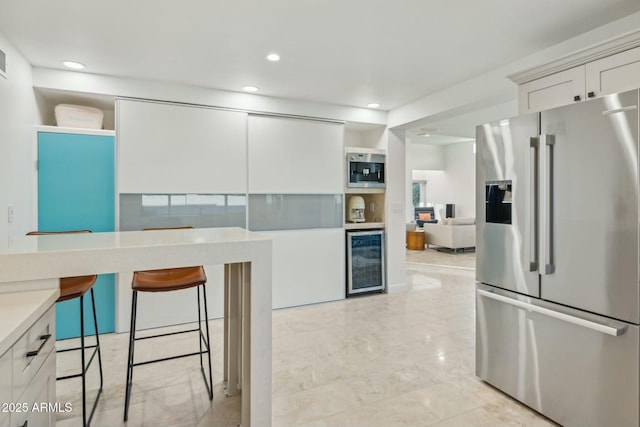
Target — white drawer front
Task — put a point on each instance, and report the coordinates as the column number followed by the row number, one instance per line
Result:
column 31, row 350
column 39, row 399
column 5, row 386
column 568, row 369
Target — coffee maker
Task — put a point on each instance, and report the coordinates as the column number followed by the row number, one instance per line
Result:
column 356, row 209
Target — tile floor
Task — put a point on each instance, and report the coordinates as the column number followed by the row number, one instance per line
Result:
column 404, row 359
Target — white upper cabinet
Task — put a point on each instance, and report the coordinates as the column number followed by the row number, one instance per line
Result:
column 552, row 91
column 616, row 73
column 169, row 148
column 611, row 67
column 295, row 156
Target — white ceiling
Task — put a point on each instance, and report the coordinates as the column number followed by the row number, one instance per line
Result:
column 347, row 52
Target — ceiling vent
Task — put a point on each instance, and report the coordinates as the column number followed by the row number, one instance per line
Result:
column 3, row 64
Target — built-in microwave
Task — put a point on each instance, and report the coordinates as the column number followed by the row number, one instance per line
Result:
column 365, row 170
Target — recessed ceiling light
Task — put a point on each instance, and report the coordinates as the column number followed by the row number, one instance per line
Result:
column 273, row 57
column 250, row 88
column 373, row 105
column 73, row 65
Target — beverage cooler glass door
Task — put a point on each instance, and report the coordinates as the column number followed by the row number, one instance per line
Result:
column 365, row 261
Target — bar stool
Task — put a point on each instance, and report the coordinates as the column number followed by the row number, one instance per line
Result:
column 77, row 287
column 167, row 280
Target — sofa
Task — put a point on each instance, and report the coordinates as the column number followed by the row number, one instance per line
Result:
column 452, row 233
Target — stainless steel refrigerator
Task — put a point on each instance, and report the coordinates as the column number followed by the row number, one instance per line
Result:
column 557, row 299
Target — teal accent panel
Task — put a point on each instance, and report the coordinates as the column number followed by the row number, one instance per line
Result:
column 76, row 190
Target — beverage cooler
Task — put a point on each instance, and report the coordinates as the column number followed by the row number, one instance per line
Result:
column 365, row 261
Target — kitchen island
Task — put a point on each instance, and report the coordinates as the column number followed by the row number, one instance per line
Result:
column 36, row 262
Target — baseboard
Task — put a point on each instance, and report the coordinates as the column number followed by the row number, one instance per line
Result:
column 397, row 287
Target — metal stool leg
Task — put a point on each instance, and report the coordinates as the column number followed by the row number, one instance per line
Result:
column 86, row 364
column 97, row 350
column 206, row 323
column 95, row 324
column 199, row 326
column 132, row 336
column 84, row 368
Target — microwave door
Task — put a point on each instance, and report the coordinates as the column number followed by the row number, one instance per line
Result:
column 366, row 170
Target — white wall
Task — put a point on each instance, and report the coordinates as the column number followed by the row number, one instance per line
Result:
column 449, row 171
column 353, row 138
column 425, row 157
column 438, row 187
column 395, row 209
column 461, row 178
column 18, row 116
column 365, row 138
column 494, row 87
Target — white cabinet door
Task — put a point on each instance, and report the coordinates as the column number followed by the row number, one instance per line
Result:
column 615, row 73
column 558, row 89
column 289, row 155
column 308, row 266
column 168, row 148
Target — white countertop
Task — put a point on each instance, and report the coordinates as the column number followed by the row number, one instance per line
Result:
column 18, row 311
column 27, row 260
column 46, row 256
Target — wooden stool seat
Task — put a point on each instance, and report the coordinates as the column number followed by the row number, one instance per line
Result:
column 168, row 279
column 75, row 287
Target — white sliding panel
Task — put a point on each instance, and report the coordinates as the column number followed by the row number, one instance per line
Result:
column 169, row 148
column 308, row 266
column 289, row 155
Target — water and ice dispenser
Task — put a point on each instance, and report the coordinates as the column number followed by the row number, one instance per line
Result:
column 498, row 200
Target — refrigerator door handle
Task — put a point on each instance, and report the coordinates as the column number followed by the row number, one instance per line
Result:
column 606, row 329
column 545, row 203
column 534, row 147
column 620, row 110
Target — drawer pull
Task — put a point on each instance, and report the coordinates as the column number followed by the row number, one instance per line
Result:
column 44, row 339
column 609, row 330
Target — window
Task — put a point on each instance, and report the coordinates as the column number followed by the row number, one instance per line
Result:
column 419, row 191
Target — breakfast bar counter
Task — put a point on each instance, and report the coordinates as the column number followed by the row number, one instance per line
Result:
column 37, row 262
